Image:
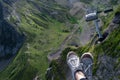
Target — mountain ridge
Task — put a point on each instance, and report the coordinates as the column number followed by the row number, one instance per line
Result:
column 44, row 30
column 45, row 25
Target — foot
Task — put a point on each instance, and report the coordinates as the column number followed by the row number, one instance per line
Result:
column 87, row 60
column 73, row 62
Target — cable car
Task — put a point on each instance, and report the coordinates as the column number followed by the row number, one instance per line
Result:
column 91, row 16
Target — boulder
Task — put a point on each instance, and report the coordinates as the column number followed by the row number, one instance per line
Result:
column 116, row 19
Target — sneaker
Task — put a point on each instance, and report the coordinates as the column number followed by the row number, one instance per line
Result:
column 87, row 61
column 73, row 62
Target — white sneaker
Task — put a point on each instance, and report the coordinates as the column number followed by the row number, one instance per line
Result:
column 73, row 62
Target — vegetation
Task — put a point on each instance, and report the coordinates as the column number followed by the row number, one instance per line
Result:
column 87, row 1
column 110, row 47
column 44, row 34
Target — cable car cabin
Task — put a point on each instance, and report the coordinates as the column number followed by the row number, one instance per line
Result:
column 91, row 16
column 108, row 10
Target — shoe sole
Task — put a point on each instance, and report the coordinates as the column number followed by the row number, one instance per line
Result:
column 89, row 54
column 70, row 53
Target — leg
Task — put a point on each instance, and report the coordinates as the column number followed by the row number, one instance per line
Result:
column 87, row 60
column 74, row 64
column 80, row 76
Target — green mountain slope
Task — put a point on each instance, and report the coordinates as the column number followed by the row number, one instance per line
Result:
column 43, row 24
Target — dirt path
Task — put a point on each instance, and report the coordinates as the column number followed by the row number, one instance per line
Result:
column 56, row 54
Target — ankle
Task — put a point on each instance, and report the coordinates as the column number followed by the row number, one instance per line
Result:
column 79, row 75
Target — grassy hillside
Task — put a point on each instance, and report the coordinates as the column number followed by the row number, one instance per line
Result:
column 44, row 34
column 106, row 56
column 43, row 23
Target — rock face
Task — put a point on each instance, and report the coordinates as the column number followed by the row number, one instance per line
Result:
column 10, row 39
column 78, row 8
column 10, row 2
column 116, row 19
column 66, row 2
column 106, row 69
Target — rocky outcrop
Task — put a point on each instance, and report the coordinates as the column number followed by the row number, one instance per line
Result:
column 9, row 2
column 106, row 69
column 78, row 8
column 68, row 3
column 10, row 39
column 116, row 19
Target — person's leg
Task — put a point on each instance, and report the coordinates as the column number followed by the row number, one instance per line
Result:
column 80, row 76
column 73, row 62
column 80, row 70
column 87, row 60
column 86, row 73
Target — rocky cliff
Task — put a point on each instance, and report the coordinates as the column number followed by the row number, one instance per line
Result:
column 10, row 39
column 45, row 25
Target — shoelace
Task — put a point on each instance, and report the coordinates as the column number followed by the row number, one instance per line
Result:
column 88, row 67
